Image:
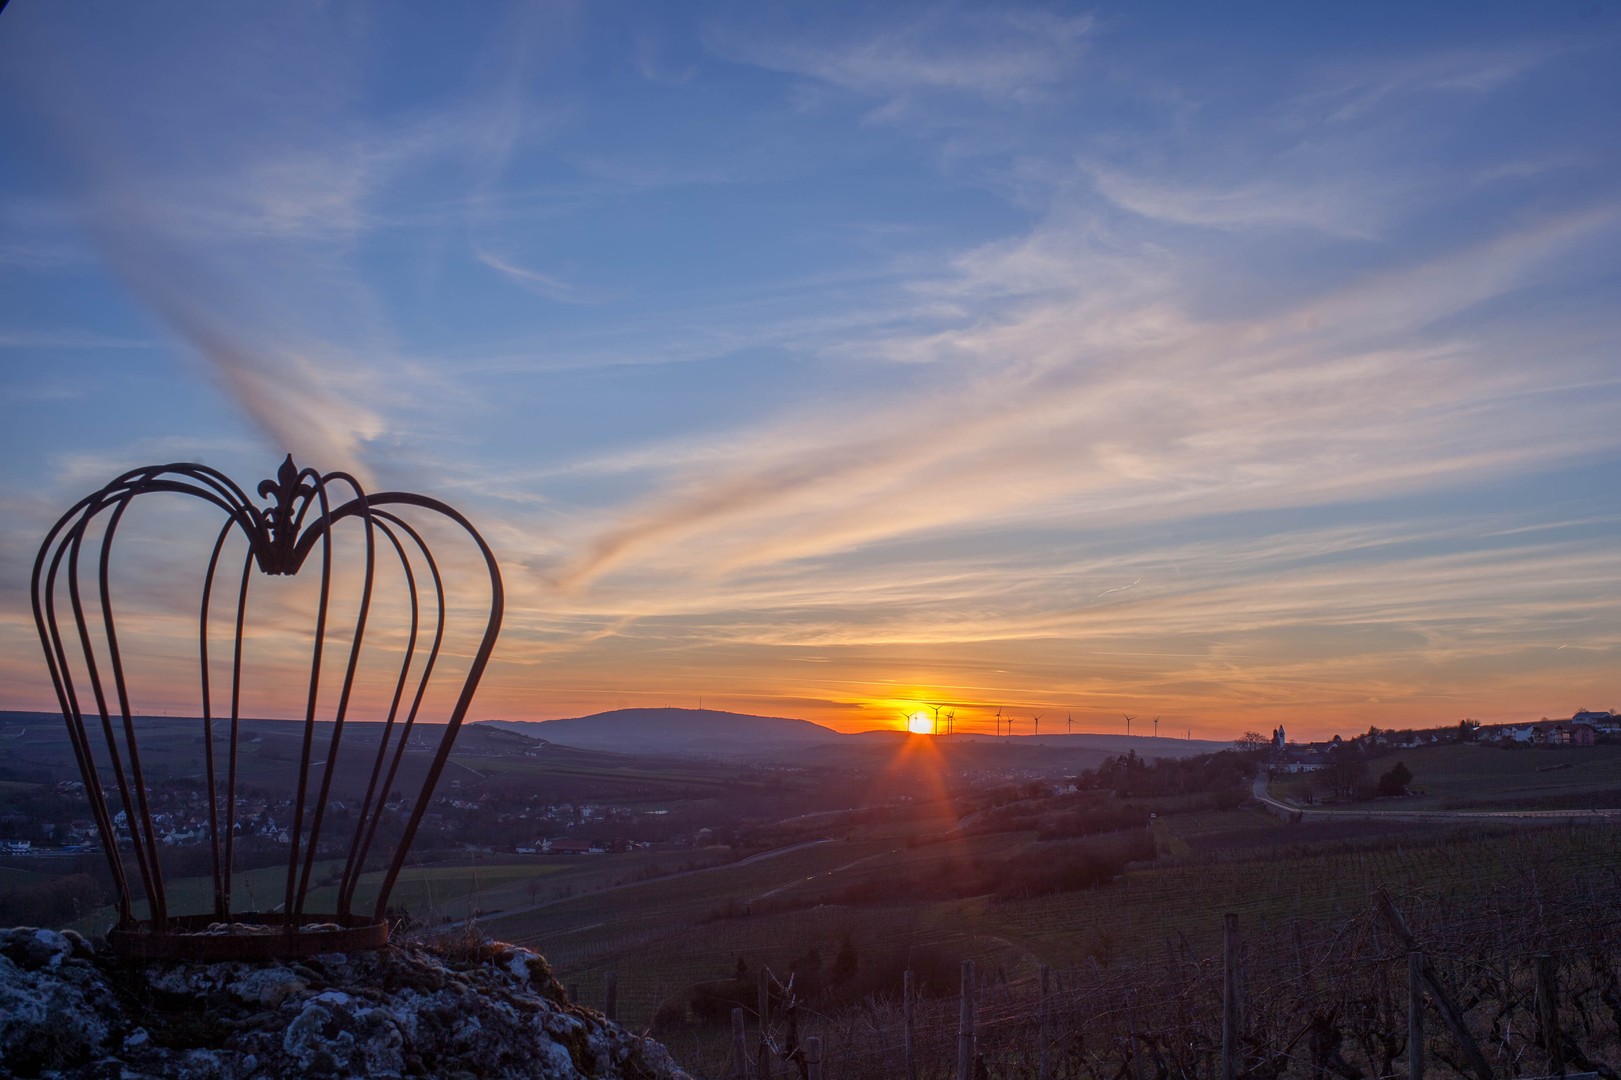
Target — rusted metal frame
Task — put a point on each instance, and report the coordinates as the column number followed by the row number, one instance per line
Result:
column 119, row 496
column 67, row 698
column 68, row 554
column 276, row 543
column 236, row 718
column 66, row 538
column 475, row 672
column 422, row 682
column 211, row 487
column 221, row 904
column 75, row 545
column 347, row 690
column 293, row 905
column 357, row 849
column 149, row 481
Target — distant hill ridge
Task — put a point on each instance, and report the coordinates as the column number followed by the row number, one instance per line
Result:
column 672, row 730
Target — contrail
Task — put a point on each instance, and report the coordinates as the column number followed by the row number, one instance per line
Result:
column 274, row 378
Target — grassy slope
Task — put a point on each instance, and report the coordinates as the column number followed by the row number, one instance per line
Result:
column 663, row 936
column 1466, row 777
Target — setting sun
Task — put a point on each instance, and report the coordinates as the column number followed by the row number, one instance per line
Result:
column 919, row 724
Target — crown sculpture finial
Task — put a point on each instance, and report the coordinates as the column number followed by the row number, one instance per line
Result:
column 81, row 638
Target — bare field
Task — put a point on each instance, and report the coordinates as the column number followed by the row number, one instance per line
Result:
column 663, row 936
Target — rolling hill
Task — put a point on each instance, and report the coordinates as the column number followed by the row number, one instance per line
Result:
column 702, row 732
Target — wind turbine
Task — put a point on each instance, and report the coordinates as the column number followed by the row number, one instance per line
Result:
column 1037, row 720
column 999, row 723
column 1069, row 718
column 1129, row 719
column 1156, row 727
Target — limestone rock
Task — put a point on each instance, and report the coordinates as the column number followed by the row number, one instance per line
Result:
column 480, row 1010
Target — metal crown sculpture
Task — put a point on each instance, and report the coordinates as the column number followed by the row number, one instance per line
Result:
column 280, row 539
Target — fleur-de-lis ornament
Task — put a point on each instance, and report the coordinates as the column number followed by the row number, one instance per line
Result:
column 281, row 520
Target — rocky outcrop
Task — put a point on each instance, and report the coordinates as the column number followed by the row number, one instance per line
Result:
column 468, row 1010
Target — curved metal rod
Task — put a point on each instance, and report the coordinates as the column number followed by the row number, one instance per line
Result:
column 464, row 700
column 349, row 674
column 221, row 904
column 421, row 688
column 293, row 905
column 361, row 842
column 115, row 659
column 236, row 719
column 65, row 541
column 134, row 819
column 67, row 699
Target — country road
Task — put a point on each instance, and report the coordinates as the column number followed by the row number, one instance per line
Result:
column 1291, row 812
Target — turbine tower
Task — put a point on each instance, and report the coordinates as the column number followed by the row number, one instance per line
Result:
column 1069, row 718
column 1129, row 719
column 1156, row 727
column 1036, row 719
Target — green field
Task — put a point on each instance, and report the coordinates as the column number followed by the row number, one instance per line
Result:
column 663, row 936
column 14, row 877
column 1479, row 777
column 480, row 884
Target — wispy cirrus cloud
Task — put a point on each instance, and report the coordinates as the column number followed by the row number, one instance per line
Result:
column 546, row 285
column 1152, row 415
column 1353, row 91
column 1001, row 55
column 1346, row 206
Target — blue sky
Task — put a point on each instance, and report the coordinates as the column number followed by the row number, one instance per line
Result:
column 1240, row 366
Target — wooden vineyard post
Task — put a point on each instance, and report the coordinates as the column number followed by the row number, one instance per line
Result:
column 813, row 1057
column 1548, row 1014
column 1229, row 996
column 610, row 994
column 740, row 1061
column 965, row 1025
column 762, row 1053
column 1415, row 1015
column 1041, row 1029
column 1451, row 1015
column 791, row 1046
column 906, row 1017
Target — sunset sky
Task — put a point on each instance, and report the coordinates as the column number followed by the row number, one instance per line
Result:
column 1239, row 365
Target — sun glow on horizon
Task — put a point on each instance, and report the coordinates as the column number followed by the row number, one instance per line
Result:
column 919, row 724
